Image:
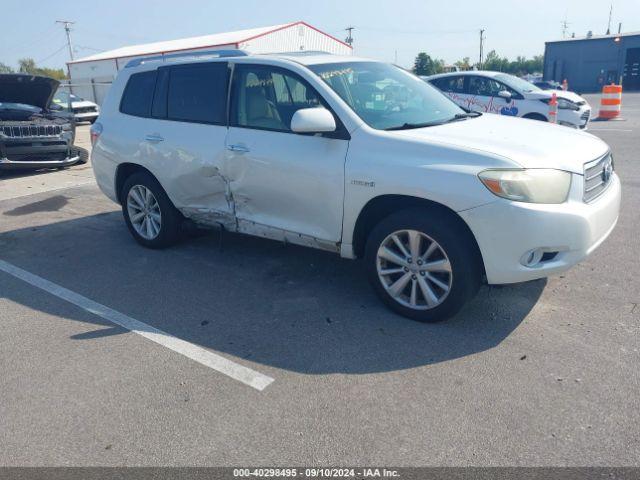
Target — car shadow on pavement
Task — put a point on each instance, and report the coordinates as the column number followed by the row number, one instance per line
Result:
column 280, row 305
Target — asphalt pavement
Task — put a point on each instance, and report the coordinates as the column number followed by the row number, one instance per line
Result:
column 537, row 374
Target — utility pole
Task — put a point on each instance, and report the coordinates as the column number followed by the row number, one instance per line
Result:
column 565, row 27
column 609, row 24
column 349, row 38
column 481, row 45
column 67, row 28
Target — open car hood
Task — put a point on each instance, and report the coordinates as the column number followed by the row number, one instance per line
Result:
column 27, row 89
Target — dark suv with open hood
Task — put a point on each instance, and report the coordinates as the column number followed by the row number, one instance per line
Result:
column 34, row 133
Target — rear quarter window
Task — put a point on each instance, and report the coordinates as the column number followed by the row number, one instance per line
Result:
column 138, row 94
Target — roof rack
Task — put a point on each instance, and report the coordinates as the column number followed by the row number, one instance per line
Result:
column 301, row 53
column 199, row 55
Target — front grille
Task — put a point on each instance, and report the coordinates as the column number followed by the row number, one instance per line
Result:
column 597, row 177
column 585, row 115
column 24, row 131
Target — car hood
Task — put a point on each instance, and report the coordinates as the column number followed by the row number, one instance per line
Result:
column 528, row 143
column 547, row 94
column 27, row 89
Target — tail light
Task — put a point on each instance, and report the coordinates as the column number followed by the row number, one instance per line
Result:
column 95, row 131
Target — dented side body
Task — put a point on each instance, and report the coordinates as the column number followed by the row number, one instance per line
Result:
column 312, row 189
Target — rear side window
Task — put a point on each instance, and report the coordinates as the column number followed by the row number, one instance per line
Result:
column 138, row 94
column 198, row 93
column 450, row 84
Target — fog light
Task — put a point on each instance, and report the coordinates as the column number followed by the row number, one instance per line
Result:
column 532, row 257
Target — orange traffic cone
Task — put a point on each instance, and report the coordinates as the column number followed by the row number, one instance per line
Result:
column 610, row 102
column 553, row 109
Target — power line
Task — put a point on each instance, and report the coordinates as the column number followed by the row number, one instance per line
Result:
column 416, row 32
column 52, row 55
column 25, row 46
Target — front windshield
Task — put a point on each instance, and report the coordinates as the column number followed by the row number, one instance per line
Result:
column 517, row 84
column 63, row 96
column 386, row 97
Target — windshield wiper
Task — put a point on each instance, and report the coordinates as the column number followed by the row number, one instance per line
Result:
column 456, row 117
column 409, row 126
column 464, row 116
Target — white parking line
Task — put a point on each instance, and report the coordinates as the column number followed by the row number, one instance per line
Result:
column 204, row 357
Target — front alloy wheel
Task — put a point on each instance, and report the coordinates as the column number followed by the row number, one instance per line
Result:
column 414, row 269
column 423, row 263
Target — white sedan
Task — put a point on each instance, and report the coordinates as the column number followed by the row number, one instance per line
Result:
column 504, row 94
column 83, row 110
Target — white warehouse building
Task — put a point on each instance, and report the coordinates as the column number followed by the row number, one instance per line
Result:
column 91, row 76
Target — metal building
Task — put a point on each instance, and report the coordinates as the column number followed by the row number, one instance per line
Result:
column 590, row 62
column 91, row 76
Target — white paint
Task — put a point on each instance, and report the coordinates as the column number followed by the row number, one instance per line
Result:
column 317, row 186
column 202, row 356
column 609, row 130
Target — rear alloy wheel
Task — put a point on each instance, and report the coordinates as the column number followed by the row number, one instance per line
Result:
column 144, row 212
column 150, row 216
column 423, row 264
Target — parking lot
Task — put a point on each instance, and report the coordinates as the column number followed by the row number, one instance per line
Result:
column 248, row 351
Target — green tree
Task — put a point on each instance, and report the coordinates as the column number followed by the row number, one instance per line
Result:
column 520, row 66
column 464, row 64
column 5, row 68
column 425, row 65
column 28, row 65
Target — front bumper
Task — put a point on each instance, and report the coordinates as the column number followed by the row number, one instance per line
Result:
column 6, row 164
column 575, row 118
column 506, row 231
column 86, row 116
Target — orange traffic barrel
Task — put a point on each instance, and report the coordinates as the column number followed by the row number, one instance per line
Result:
column 610, row 102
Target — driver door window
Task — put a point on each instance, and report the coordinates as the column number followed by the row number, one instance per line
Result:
column 484, row 87
column 265, row 98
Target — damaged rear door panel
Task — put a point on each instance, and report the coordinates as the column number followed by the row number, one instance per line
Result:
column 184, row 142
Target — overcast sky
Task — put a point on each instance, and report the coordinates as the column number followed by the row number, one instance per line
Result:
column 444, row 29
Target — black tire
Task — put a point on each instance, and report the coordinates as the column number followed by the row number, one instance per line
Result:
column 169, row 233
column 455, row 240
column 535, row 116
column 83, row 153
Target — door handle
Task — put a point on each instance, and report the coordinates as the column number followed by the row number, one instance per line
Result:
column 154, row 138
column 238, row 148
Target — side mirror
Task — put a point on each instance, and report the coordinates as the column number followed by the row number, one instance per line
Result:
column 313, row 120
column 504, row 94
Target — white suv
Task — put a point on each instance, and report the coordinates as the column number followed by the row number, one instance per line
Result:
column 357, row 157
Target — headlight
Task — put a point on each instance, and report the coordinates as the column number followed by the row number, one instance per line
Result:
column 530, row 185
column 564, row 104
